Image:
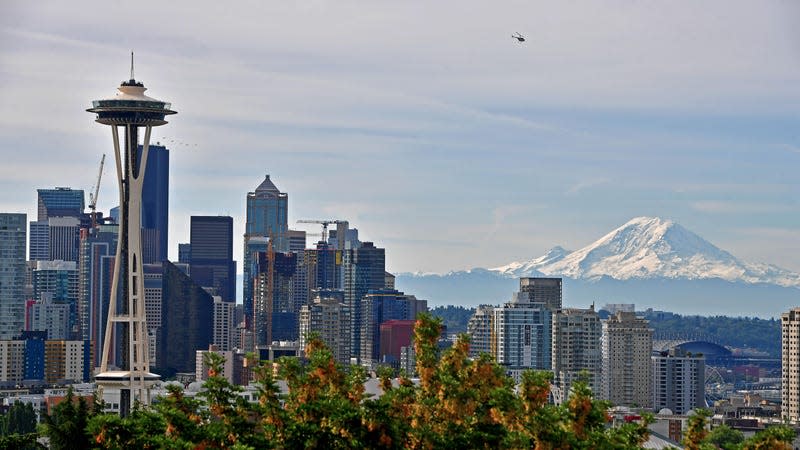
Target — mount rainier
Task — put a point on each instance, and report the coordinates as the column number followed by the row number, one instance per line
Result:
column 649, row 261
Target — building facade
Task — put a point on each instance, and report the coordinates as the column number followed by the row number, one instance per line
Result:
column 267, row 217
column 678, row 381
column 790, row 364
column 211, row 258
column 577, row 351
column 627, row 369
column 12, row 273
column 328, row 316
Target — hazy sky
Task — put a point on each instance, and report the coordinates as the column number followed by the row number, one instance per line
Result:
column 424, row 123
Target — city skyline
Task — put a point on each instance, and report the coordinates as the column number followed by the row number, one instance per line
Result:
column 428, row 127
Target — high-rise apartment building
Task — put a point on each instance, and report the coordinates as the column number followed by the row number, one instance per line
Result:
column 329, row 317
column 224, row 324
column 59, row 202
column 267, row 217
column 12, row 273
column 576, row 348
column 627, row 345
column 211, row 261
column 479, row 329
column 679, row 381
column 522, row 335
column 790, row 364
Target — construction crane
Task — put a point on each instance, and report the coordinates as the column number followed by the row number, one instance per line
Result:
column 93, row 195
column 324, row 224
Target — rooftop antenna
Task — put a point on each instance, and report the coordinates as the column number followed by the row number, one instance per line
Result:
column 132, row 65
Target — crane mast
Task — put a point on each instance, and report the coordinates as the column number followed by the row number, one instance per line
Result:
column 93, row 195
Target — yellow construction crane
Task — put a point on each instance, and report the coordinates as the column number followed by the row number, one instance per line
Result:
column 93, row 195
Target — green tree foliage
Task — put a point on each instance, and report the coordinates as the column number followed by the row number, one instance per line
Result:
column 698, row 437
column 20, row 419
column 66, row 426
column 725, row 437
column 455, row 318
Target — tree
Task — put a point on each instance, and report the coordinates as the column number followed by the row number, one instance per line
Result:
column 66, row 426
column 20, row 419
column 725, row 437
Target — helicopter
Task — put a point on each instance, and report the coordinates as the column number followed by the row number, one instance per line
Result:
column 518, row 37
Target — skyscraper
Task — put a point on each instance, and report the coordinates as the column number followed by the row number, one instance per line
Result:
column 627, row 368
column 155, row 205
column 364, row 269
column 131, row 110
column 211, row 258
column 267, row 217
column 187, row 321
column 12, row 273
column 790, row 363
column 56, row 283
column 576, row 348
column 522, row 335
column 274, row 317
column 98, row 248
column 64, row 236
column 59, row 202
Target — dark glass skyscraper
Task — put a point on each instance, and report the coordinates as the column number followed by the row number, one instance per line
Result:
column 187, row 321
column 155, row 205
column 59, row 202
column 267, row 217
column 211, row 258
column 364, row 270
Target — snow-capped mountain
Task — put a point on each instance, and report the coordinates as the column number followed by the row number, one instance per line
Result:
column 650, row 248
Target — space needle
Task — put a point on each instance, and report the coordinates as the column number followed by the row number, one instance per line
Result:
column 129, row 112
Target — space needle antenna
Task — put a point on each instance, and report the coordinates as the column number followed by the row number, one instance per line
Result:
column 132, row 65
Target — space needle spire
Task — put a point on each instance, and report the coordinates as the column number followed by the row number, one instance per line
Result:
column 127, row 371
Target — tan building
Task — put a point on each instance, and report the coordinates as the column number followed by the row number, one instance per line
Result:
column 479, row 329
column 63, row 360
column 12, row 360
column 627, row 345
column 576, row 348
column 329, row 317
column 790, row 354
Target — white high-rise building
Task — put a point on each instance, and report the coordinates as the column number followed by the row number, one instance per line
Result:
column 576, row 348
column 224, row 324
column 627, row 367
column 13, row 235
column 790, row 363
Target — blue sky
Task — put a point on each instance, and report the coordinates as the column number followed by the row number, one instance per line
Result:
column 427, row 126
